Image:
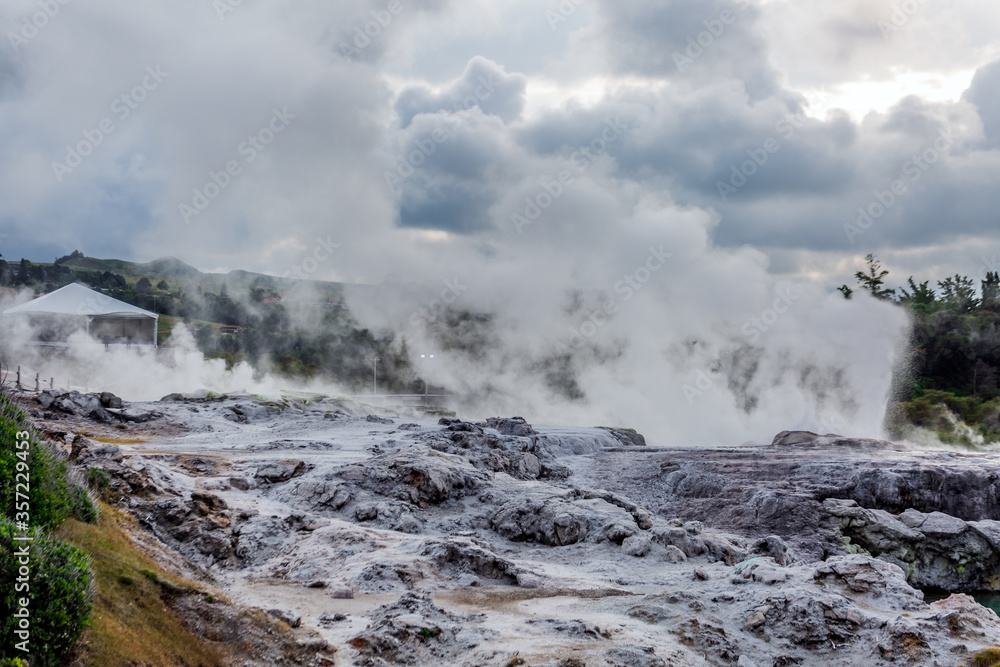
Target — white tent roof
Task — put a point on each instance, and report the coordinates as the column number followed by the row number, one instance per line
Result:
column 76, row 299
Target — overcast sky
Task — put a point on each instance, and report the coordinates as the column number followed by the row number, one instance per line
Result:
column 769, row 122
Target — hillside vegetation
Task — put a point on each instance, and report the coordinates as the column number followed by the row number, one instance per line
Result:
column 949, row 386
column 284, row 326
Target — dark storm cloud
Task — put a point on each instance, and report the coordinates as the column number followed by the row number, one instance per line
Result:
column 696, row 82
column 707, row 147
column 689, row 39
column 451, row 166
column 984, row 93
column 483, row 84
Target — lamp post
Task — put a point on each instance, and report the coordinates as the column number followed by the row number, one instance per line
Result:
column 426, row 356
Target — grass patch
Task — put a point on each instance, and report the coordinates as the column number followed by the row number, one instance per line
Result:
column 988, row 658
column 131, row 621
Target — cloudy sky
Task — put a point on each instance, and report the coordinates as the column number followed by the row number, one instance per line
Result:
column 670, row 189
column 847, row 92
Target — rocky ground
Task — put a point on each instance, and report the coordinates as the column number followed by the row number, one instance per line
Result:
column 395, row 538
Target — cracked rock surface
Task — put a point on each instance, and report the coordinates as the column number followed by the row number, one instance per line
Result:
column 403, row 539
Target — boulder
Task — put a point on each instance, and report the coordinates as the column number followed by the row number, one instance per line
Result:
column 421, row 476
column 626, row 436
column 462, row 556
column 637, row 545
column 280, row 471
column 413, row 631
column 563, row 520
column 934, row 549
column 316, row 494
column 516, row 426
column 874, row 577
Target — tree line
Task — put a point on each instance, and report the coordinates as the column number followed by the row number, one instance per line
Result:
column 954, row 355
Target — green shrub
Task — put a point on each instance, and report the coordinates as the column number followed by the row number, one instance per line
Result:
column 58, row 581
column 52, row 497
column 59, row 595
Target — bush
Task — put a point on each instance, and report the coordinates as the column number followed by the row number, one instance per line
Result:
column 58, row 590
column 53, row 497
column 58, row 582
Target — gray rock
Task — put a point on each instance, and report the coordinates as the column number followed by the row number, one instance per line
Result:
column 260, row 538
column 627, row 437
column 316, row 494
column 293, row 619
column 109, row 400
column 940, row 525
column 672, row 554
column 459, row 556
column 516, row 426
column 772, row 546
column 793, row 438
column 422, row 476
column 366, row 512
column 280, row 471
column 416, row 632
column 945, row 552
column 559, row 521
column 633, row 656
column 637, row 545
column 242, row 483
column 862, row 574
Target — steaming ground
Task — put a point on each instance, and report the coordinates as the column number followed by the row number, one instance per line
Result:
column 404, row 539
column 137, row 373
column 709, row 349
column 674, row 361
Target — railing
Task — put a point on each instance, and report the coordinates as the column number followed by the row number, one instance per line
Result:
column 407, row 399
column 24, row 379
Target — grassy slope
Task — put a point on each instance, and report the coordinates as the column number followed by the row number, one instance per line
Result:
column 131, row 621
